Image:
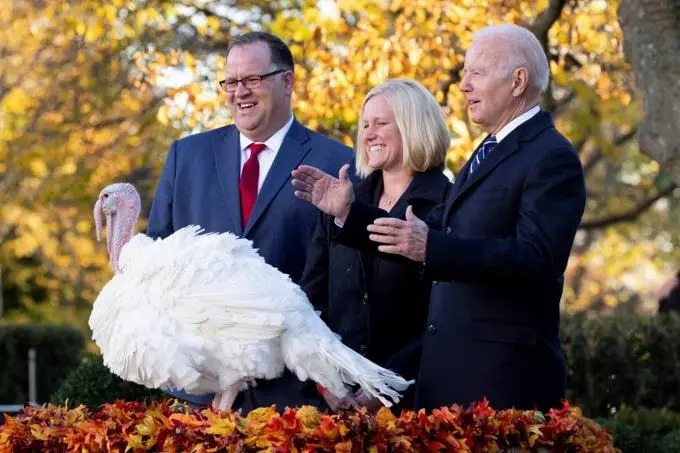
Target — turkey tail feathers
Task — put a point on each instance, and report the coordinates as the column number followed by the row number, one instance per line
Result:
column 372, row 378
column 316, row 353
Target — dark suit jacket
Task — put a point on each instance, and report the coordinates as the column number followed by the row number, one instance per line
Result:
column 497, row 266
column 378, row 306
column 199, row 186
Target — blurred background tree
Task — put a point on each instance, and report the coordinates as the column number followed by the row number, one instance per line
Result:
column 94, row 92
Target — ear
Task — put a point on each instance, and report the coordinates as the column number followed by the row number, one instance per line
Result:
column 288, row 79
column 520, row 82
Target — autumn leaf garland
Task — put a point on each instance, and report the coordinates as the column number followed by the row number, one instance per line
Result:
column 168, row 426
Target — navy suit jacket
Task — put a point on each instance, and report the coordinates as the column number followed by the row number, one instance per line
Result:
column 199, row 186
column 497, row 265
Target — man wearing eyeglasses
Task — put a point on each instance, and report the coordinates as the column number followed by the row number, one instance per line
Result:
column 236, row 179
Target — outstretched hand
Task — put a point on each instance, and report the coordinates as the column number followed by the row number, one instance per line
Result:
column 371, row 403
column 407, row 238
column 337, row 404
column 331, row 195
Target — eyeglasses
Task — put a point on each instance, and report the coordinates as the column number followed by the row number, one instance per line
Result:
column 250, row 82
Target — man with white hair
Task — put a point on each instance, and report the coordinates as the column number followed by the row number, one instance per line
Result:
column 507, row 230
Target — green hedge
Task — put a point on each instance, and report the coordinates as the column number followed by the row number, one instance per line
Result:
column 92, row 384
column 58, row 351
column 644, row 430
column 616, row 361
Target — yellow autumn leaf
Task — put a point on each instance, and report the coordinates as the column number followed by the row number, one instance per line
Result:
column 17, row 101
column 134, row 442
column 220, row 426
column 147, row 427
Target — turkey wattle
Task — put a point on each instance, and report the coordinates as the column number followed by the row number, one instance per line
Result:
column 205, row 313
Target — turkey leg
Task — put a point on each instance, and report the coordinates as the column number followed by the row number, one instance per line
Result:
column 223, row 401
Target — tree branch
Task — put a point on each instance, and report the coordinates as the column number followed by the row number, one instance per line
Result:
column 546, row 19
column 597, row 155
column 540, row 28
column 454, row 78
column 593, row 159
column 629, row 215
column 563, row 104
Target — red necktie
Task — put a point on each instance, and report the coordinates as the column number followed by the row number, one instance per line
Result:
column 248, row 182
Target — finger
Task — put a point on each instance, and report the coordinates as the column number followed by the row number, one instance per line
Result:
column 303, row 176
column 342, row 174
column 311, row 172
column 382, row 229
column 383, row 239
column 392, row 249
column 302, row 185
column 409, row 214
column 389, row 221
column 362, row 399
column 303, row 195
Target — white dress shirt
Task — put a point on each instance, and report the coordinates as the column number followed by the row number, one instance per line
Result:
column 514, row 124
column 267, row 155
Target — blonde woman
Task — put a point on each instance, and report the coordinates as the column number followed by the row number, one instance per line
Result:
column 378, row 305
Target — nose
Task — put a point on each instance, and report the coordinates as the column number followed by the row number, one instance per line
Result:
column 369, row 133
column 465, row 85
column 241, row 89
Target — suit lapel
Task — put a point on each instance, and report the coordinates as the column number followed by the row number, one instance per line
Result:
column 228, row 164
column 503, row 150
column 293, row 149
column 506, row 148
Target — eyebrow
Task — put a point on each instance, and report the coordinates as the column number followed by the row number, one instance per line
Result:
column 229, row 77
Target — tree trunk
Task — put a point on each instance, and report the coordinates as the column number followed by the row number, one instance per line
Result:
column 651, row 31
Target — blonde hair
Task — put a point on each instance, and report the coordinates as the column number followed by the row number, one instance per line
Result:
column 424, row 135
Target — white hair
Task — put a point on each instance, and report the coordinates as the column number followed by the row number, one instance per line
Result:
column 523, row 51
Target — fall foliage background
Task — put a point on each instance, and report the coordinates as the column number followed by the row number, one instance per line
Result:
column 94, row 92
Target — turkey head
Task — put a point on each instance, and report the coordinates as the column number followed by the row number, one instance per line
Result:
column 119, row 204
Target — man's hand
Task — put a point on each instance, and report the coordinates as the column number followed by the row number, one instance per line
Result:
column 401, row 237
column 331, row 195
column 371, row 403
column 337, row 404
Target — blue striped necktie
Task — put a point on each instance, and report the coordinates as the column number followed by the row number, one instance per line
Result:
column 483, row 151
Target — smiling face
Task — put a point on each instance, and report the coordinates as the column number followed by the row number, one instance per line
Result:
column 381, row 136
column 493, row 97
column 261, row 111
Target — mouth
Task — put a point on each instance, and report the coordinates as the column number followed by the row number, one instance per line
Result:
column 245, row 106
column 376, row 148
column 472, row 103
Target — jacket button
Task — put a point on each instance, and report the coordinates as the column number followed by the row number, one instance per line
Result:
column 364, row 298
column 432, row 328
column 448, row 230
column 363, row 349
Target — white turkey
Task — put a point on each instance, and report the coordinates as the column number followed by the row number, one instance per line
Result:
column 205, row 313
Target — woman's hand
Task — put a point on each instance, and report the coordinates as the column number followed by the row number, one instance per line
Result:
column 334, row 196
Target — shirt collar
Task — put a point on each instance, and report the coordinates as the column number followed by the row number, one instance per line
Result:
column 274, row 142
column 514, row 124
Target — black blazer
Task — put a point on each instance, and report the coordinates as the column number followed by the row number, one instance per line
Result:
column 378, row 306
column 497, row 264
